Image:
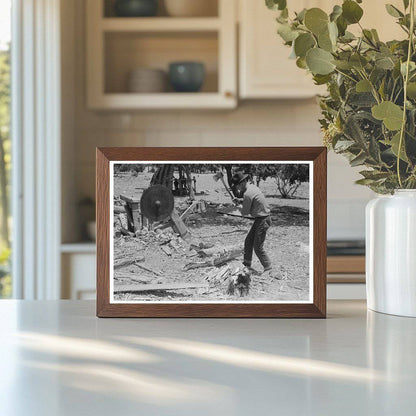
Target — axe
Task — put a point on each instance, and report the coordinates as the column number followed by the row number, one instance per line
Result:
column 220, row 176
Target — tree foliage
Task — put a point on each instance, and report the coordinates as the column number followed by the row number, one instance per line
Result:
column 5, row 164
column 369, row 112
column 288, row 177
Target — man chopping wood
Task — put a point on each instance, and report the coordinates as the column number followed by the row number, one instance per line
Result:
column 254, row 204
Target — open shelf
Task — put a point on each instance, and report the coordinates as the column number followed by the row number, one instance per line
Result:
column 116, row 46
column 80, row 247
column 127, row 51
column 130, row 101
column 160, row 24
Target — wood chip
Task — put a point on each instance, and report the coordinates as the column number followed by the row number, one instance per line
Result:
column 127, row 262
column 169, row 286
column 166, row 250
column 140, row 266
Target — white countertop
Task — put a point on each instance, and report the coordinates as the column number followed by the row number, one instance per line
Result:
column 58, row 359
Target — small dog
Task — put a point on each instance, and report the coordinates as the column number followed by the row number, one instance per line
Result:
column 242, row 283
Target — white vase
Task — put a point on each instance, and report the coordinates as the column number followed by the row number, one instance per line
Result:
column 391, row 253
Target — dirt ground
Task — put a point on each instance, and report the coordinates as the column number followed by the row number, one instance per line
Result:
column 287, row 244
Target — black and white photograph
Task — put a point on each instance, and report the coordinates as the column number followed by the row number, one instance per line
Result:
column 211, row 232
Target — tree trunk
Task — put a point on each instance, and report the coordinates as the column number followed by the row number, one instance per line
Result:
column 189, row 182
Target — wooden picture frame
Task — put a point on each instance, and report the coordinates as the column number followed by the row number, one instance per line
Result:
column 315, row 156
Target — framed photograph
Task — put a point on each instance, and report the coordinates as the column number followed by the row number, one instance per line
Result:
column 211, row 232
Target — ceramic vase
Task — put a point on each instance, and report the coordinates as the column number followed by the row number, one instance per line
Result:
column 391, row 253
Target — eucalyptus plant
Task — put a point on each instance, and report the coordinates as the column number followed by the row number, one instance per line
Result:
column 369, row 112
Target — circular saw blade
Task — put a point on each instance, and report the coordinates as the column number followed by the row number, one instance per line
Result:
column 157, row 203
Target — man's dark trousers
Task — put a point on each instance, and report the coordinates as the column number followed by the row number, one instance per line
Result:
column 255, row 240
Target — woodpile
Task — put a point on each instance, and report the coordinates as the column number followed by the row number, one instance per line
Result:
column 215, row 257
column 211, row 266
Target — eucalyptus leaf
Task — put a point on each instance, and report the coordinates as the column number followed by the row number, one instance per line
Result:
column 363, row 86
column 358, row 61
column 333, row 32
column 368, row 35
column 361, row 99
column 348, row 37
column 303, row 43
column 342, row 25
column 374, row 150
column 358, row 160
column 321, row 79
column 385, row 63
column 394, row 144
column 316, row 20
column 393, row 11
column 351, row 11
column 319, row 61
column 375, row 175
column 375, row 35
column 343, row 145
column 325, row 42
column 301, row 63
column 276, row 4
column 411, row 90
column 343, row 65
column 412, row 67
column 391, row 114
column 284, row 14
column 364, row 182
column 336, row 12
column 286, row 32
column 300, row 17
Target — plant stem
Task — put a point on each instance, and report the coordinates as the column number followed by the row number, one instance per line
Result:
column 405, row 81
column 345, row 75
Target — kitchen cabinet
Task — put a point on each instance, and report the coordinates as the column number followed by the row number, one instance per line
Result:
column 265, row 70
column 78, row 271
column 116, row 46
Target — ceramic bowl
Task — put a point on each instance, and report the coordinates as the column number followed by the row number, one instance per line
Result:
column 186, row 76
column 147, row 80
column 135, row 8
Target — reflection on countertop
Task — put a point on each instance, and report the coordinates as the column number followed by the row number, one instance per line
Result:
column 63, row 360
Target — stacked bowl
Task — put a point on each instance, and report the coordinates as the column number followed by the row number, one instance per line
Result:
column 147, row 80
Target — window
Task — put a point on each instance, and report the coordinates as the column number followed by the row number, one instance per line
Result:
column 5, row 144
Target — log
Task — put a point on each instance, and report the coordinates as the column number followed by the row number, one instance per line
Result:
column 150, row 288
column 127, row 262
column 140, row 266
column 218, row 251
column 134, row 278
column 215, row 261
column 178, row 225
